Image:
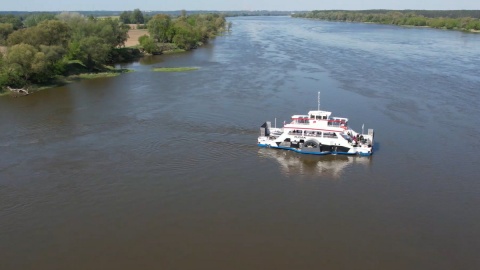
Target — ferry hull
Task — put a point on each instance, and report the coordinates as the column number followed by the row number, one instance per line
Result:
column 314, row 151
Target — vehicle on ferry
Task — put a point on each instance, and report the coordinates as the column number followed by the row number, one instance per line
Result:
column 317, row 133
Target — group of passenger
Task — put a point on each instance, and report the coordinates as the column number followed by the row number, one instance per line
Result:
column 358, row 138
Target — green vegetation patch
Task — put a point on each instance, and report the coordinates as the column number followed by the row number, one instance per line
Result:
column 108, row 73
column 175, row 69
column 94, row 75
column 172, row 51
column 4, row 93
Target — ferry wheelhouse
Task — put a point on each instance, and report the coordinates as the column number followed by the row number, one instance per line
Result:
column 318, row 133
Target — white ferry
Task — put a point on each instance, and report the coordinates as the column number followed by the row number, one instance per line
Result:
column 317, row 133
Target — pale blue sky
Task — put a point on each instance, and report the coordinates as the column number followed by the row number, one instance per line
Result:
column 67, row 5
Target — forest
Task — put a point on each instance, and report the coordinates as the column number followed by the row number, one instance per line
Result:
column 466, row 20
column 45, row 48
column 185, row 32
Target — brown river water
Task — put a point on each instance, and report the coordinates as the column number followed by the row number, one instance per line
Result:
column 154, row 170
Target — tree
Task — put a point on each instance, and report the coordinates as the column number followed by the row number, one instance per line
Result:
column 473, row 24
column 159, row 28
column 36, row 18
column 54, row 57
column 14, row 20
column 3, row 73
column 125, row 17
column 93, row 42
column 93, row 51
column 70, row 17
column 25, row 62
column 48, row 33
column 185, row 35
column 5, row 30
column 114, row 32
column 148, row 44
column 53, row 32
column 137, row 17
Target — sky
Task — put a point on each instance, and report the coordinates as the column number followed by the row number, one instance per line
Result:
column 280, row 5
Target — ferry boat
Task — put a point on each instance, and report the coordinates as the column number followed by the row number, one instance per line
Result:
column 317, row 133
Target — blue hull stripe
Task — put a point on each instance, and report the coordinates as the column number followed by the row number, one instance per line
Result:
column 313, row 153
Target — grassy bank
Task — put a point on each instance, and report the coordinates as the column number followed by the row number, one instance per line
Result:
column 175, row 69
column 63, row 80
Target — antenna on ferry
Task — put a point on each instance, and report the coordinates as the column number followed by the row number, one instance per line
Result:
column 318, row 109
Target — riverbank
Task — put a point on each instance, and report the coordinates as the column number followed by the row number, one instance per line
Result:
column 459, row 20
column 71, row 54
column 77, row 71
column 63, row 80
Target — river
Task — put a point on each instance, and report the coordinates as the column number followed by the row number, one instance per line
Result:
column 153, row 170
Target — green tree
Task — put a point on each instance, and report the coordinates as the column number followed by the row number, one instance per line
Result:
column 36, row 18
column 113, row 31
column 185, row 35
column 14, row 20
column 93, row 42
column 125, row 17
column 137, row 17
column 93, row 51
column 25, row 62
column 54, row 58
column 159, row 28
column 49, row 33
column 148, row 44
column 5, row 30
column 3, row 73
column 473, row 25
column 53, row 32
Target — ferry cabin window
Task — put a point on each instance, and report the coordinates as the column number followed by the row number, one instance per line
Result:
column 334, row 123
column 317, row 117
column 329, row 135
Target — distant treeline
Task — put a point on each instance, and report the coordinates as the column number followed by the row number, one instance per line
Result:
column 149, row 14
column 425, row 13
column 449, row 19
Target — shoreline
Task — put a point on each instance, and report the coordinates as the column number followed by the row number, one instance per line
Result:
column 133, row 44
column 399, row 25
column 64, row 80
